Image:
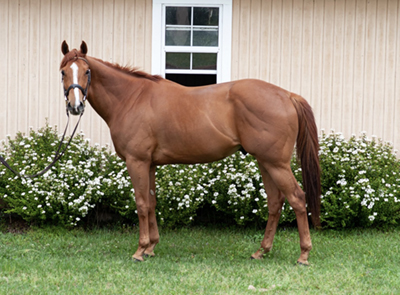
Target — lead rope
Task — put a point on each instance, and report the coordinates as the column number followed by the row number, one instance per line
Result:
column 57, row 156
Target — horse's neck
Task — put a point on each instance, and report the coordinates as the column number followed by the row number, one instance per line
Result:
column 109, row 87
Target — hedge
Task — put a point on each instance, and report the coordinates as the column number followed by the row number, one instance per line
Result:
column 360, row 184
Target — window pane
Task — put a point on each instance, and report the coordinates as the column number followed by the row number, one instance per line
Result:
column 204, row 61
column 192, row 79
column 178, row 15
column 177, row 37
column 205, row 16
column 205, row 37
column 176, row 60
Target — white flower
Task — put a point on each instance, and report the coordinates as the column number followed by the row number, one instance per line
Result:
column 39, row 206
column 24, row 208
column 213, row 201
column 241, row 217
column 254, row 210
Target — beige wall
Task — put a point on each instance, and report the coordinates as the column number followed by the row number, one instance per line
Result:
column 342, row 56
column 31, row 33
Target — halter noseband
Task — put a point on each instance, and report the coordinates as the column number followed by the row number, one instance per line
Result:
column 73, row 86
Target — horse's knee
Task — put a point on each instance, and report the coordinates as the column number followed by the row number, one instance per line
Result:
column 142, row 207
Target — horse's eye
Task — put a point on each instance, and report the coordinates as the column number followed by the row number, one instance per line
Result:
column 62, row 73
column 87, row 72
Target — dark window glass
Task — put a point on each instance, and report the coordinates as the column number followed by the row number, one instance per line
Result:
column 205, row 37
column 192, row 79
column 178, row 15
column 177, row 37
column 204, row 61
column 175, row 60
column 205, row 16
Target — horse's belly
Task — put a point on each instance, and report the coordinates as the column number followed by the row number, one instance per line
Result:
column 195, row 149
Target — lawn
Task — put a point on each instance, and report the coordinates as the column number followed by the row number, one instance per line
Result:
column 198, row 260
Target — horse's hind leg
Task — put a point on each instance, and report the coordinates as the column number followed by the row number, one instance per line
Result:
column 275, row 201
column 285, row 182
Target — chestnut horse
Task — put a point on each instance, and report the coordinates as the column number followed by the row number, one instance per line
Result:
column 154, row 122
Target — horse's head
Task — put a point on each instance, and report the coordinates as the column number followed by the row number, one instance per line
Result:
column 75, row 77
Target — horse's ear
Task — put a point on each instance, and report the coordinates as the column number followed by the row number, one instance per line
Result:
column 83, row 47
column 64, row 48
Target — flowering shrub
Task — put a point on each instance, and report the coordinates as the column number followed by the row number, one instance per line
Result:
column 360, row 184
column 84, row 178
column 360, row 181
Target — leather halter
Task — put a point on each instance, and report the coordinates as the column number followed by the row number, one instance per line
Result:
column 73, row 86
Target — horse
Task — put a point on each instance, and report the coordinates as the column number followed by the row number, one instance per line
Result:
column 154, row 121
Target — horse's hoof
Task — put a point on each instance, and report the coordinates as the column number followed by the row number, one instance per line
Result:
column 137, row 259
column 252, row 258
column 302, row 263
column 147, row 255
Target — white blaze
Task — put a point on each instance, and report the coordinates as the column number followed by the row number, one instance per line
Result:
column 75, row 69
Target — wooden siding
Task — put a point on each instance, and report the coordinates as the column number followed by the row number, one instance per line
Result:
column 31, row 33
column 343, row 56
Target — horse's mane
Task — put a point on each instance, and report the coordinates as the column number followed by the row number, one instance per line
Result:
column 132, row 71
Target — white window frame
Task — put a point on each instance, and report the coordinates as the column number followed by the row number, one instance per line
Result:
column 223, row 72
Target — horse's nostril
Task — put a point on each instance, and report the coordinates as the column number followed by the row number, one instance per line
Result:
column 76, row 110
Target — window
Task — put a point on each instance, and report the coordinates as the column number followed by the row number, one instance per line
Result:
column 192, row 41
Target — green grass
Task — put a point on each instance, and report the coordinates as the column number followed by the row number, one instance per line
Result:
column 198, row 261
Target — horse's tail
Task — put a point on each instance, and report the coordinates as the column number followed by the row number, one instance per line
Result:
column 307, row 148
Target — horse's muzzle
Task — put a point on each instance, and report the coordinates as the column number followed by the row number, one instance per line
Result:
column 76, row 110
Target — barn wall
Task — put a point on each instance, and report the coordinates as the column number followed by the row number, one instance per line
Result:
column 31, row 34
column 343, row 56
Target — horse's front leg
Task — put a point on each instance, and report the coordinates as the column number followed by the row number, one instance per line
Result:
column 153, row 228
column 139, row 172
